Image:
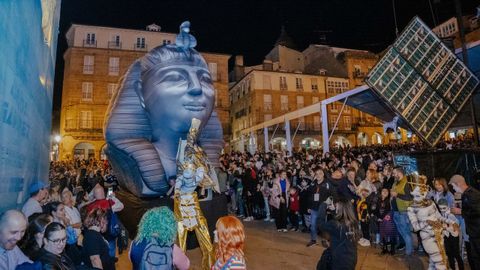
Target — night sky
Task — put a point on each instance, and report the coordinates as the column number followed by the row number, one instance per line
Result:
column 251, row 28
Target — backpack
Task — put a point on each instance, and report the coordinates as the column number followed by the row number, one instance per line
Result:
column 157, row 257
column 114, row 228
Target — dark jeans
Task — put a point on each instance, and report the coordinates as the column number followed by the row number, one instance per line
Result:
column 473, row 253
column 452, row 248
column 281, row 217
column 365, row 225
column 293, row 219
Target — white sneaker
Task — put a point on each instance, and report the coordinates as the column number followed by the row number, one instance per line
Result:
column 247, row 219
column 361, row 241
column 267, row 219
column 272, row 220
column 365, row 243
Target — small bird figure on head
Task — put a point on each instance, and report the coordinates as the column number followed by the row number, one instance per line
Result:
column 184, row 39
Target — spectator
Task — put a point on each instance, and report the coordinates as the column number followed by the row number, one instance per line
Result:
column 383, row 214
column 342, row 231
column 281, row 218
column 401, row 200
column 320, row 190
column 451, row 236
column 112, row 203
column 363, row 212
column 54, row 193
column 441, row 192
column 12, row 228
column 52, row 255
column 38, row 192
column 95, row 251
column 57, row 211
column 71, row 212
column 157, row 232
column 294, row 208
column 470, row 212
column 32, row 243
column 231, row 239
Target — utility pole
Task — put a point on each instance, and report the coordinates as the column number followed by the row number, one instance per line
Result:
column 458, row 9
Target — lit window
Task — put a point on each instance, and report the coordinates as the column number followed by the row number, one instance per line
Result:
column 87, row 91
column 88, row 64
column 113, row 66
column 111, row 88
column 212, row 67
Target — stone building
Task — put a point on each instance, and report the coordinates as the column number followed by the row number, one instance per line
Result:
column 289, row 79
column 95, row 60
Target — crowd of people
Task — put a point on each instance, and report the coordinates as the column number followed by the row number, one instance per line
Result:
column 345, row 198
column 71, row 223
column 369, row 199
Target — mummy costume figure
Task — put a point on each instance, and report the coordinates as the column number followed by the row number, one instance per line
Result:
column 426, row 219
column 193, row 171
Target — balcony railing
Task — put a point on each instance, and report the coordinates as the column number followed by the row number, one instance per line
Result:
column 84, row 125
column 359, row 74
column 89, row 43
column 367, row 122
column 139, row 47
column 114, row 45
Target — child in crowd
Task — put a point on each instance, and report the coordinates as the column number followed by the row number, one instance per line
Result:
column 384, row 216
column 294, row 208
column 451, row 236
column 364, row 217
column 304, row 200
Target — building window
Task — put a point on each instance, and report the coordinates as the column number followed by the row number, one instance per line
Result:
column 284, row 103
column 314, row 85
column 299, row 84
column 334, row 107
column 212, row 67
column 267, row 103
column 346, row 109
column 283, row 83
column 348, row 122
column 301, row 123
column 113, row 66
column 267, row 83
column 140, row 44
column 332, row 120
column 87, row 91
column 322, row 72
column 86, row 119
column 115, row 42
column 88, row 64
column 90, row 40
column 166, row 42
column 300, row 102
column 111, row 88
column 316, row 122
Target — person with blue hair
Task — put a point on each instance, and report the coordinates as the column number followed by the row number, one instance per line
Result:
column 154, row 246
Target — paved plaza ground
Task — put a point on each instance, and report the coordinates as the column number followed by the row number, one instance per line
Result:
column 268, row 249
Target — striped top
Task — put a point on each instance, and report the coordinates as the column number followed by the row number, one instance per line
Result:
column 232, row 264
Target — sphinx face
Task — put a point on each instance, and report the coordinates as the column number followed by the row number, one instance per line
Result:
column 175, row 94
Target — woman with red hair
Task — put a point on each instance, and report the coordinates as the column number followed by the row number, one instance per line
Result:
column 231, row 237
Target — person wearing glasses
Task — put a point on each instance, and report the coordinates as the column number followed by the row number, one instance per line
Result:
column 54, row 242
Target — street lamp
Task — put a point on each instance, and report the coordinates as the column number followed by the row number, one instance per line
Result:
column 57, row 138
